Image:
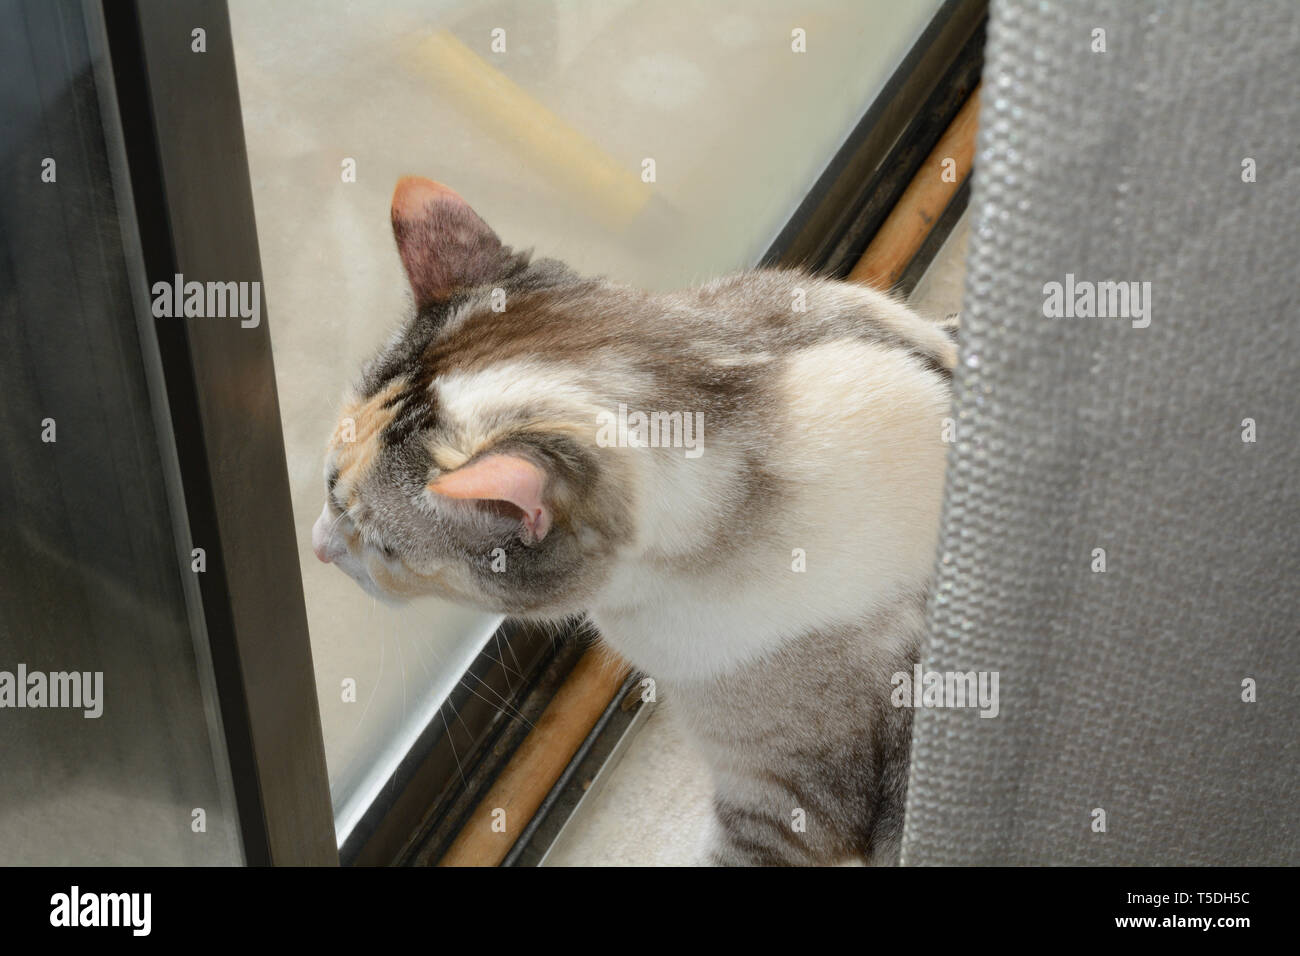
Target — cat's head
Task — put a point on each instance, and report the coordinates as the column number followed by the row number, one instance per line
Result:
column 464, row 465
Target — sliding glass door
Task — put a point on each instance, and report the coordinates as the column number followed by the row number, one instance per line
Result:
column 163, row 538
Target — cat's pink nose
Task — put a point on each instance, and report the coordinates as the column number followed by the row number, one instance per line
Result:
column 323, row 541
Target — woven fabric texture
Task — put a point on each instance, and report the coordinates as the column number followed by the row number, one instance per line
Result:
column 1121, row 690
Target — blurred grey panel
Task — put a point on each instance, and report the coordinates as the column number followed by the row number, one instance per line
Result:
column 91, row 561
column 1122, row 690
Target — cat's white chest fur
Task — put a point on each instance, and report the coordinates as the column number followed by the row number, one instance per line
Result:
column 857, row 461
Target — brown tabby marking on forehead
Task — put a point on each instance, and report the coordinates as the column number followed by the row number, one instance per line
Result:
column 534, row 323
column 454, row 443
column 352, row 460
column 457, row 438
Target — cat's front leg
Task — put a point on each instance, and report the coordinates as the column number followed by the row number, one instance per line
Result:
column 748, row 834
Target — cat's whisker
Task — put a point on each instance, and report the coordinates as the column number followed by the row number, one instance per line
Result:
column 452, row 744
column 370, row 699
column 507, row 670
column 401, row 663
column 496, row 638
column 427, row 643
column 420, row 657
column 458, row 716
column 517, row 713
column 419, row 643
column 334, row 524
column 518, row 666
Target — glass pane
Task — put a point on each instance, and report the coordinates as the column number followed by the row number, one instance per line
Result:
column 548, row 117
column 109, row 733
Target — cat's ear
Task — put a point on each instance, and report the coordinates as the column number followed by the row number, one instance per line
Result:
column 444, row 245
column 502, row 477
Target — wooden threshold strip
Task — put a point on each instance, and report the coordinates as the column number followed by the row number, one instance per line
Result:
column 532, row 771
column 922, row 203
column 508, row 806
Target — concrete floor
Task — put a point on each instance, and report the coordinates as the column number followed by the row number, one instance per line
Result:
column 654, row 807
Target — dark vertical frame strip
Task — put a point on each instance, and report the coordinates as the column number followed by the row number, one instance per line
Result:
column 189, row 175
column 110, row 114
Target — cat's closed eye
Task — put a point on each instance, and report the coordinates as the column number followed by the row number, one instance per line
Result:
column 370, row 541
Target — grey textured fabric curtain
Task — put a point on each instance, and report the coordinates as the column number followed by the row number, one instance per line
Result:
column 1121, row 538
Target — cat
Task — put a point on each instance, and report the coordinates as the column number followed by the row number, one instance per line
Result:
column 767, row 563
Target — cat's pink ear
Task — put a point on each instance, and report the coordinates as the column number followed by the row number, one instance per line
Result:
column 444, row 245
column 501, row 477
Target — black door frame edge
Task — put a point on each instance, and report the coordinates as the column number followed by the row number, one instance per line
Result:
column 164, row 430
column 184, row 140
